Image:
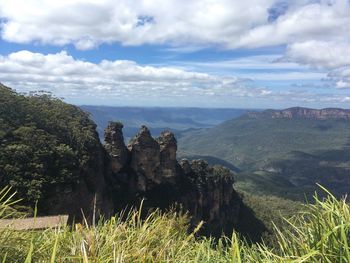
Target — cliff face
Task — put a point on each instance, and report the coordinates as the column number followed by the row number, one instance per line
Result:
column 149, row 170
column 115, row 146
column 299, row 112
column 87, row 197
column 210, row 196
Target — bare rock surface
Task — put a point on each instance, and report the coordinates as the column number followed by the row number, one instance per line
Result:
column 115, row 145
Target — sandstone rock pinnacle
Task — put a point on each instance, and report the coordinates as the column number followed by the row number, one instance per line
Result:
column 115, row 146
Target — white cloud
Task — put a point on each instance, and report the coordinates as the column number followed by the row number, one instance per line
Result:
column 115, row 80
column 333, row 56
column 286, row 76
column 320, row 54
column 341, row 84
column 124, row 82
column 258, row 62
column 87, row 24
column 317, row 34
column 257, row 68
column 326, row 19
column 227, row 23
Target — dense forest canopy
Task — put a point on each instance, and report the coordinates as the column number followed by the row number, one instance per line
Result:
column 44, row 143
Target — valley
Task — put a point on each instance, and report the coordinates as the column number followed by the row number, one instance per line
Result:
column 158, row 119
column 284, row 153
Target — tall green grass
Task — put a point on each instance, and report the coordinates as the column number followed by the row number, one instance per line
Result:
column 320, row 233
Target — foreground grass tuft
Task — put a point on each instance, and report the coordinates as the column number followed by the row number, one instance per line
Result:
column 320, row 233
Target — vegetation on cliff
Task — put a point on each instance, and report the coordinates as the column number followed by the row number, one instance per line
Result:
column 44, row 143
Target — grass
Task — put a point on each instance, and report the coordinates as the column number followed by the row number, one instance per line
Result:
column 319, row 233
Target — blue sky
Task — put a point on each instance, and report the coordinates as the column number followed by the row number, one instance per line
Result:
column 202, row 53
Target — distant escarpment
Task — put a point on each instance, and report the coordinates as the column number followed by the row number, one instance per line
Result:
column 299, row 112
column 148, row 169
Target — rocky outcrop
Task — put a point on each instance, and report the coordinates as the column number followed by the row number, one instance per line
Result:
column 212, row 197
column 152, row 172
column 145, row 159
column 299, row 112
column 115, row 145
column 168, row 148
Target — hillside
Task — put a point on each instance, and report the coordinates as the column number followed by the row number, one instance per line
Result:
column 293, row 148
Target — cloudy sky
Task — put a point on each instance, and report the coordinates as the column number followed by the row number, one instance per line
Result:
column 203, row 53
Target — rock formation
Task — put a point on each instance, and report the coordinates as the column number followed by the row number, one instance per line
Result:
column 211, row 196
column 145, row 158
column 149, row 170
column 168, row 148
column 115, row 145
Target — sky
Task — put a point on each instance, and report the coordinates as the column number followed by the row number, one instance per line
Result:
column 179, row 53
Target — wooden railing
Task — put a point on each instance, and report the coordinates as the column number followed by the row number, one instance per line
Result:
column 34, row 222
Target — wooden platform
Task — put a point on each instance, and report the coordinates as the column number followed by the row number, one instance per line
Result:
column 34, row 223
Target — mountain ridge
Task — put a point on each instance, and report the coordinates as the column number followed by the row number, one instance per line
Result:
column 303, row 112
